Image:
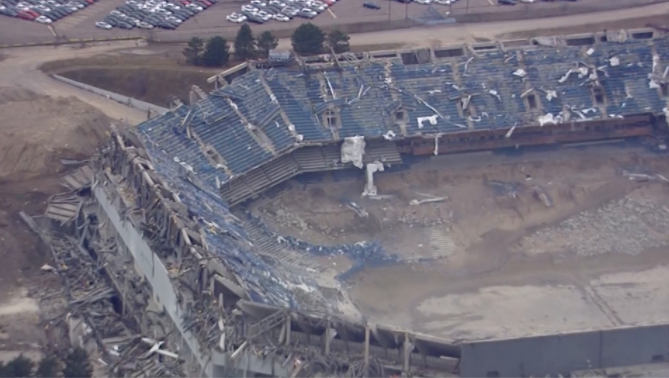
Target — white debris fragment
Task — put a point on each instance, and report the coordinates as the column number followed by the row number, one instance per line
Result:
column 416, row 202
column 550, row 95
column 565, row 76
column 47, row 268
column 614, row 62
column 352, row 150
column 272, row 98
column 389, row 135
column 548, row 119
column 510, row 132
column 590, row 51
column 388, row 80
column 582, row 72
column 434, row 91
column 493, row 92
column 291, row 127
column 666, row 112
column 299, row 137
column 520, row 72
column 432, row 119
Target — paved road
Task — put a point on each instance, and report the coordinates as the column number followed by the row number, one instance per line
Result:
column 463, row 33
column 21, row 69
column 212, row 21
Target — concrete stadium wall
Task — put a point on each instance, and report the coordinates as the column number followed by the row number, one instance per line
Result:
column 151, row 267
column 137, row 104
column 564, row 353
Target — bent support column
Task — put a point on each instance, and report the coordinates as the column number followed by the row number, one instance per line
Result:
column 370, row 189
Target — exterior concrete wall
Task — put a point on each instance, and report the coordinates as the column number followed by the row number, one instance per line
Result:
column 149, row 265
column 553, row 354
column 153, row 270
column 137, row 104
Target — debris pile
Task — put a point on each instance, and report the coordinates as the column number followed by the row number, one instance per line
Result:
column 363, row 254
column 628, row 226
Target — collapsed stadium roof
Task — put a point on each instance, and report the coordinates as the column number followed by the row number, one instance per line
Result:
column 270, row 125
column 266, row 114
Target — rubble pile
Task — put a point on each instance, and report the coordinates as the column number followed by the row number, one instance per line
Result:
column 628, row 226
column 364, row 254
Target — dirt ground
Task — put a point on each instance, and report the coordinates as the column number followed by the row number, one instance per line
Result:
column 503, row 263
column 42, row 121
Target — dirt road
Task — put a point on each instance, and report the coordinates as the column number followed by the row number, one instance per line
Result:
column 20, row 69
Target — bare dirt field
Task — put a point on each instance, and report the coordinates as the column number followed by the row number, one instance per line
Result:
column 503, row 263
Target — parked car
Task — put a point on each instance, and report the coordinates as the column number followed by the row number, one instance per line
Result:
column 236, row 17
column 103, row 25
column 506, row 2
column 371, row 5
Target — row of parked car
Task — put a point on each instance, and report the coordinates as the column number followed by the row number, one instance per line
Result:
column 42, row 11
column 165, row 14
column 259, row 11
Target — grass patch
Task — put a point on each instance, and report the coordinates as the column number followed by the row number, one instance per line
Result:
column 153, row 85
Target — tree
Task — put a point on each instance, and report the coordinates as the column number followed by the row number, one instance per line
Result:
column 193, row 52
column 245, row 44
column 48, row 367
column 267, row 42
column 77, row 364
column 308, row 39
column 338, row 40
column 216, row 53
column 21, row 366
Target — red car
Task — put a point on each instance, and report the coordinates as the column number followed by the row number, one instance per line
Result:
column 28, row 15
column 207, row 3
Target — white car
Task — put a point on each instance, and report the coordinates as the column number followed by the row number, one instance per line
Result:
column 249, row 8
column 145, row 25
column 281, row 17
column 236, row 18
column 527, row 1
column 195, row 7
column 103, row 25
column 423, row 1
column 258, row 3
column 319, row 4
column 173, row 19
column 277, row 3
column 264, row 15
column 43, row 20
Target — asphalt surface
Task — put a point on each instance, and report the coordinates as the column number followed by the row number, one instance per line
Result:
column 20, row 69
column 80, row 26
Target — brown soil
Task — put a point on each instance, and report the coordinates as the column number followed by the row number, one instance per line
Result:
column 37, row 131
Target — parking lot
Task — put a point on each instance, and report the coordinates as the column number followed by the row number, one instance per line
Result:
column 212, row 21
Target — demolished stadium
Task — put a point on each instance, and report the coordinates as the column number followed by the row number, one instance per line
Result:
column 165, row 191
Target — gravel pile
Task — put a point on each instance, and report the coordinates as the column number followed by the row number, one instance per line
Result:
column 628, row 226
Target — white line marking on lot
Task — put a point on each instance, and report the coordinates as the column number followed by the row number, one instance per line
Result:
column 491, row 3
column 332, row 13
column 51, row 29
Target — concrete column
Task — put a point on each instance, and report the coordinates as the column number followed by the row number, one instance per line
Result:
column 288, row 327
column 366, row 373
column 407, row 354
column 327, row 338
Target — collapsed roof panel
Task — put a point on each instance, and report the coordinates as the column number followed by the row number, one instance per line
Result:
column 265, row 112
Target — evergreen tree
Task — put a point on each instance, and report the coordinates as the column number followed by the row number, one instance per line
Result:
column 48, row 367
column 77, row 364
column 308, row 39
column 245, row 44
column 338, row 40
column 267, row 42
column 193, row 51
column 21, row 366
column 216, row 53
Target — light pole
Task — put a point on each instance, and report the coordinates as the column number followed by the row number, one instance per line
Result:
column 390, row 6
